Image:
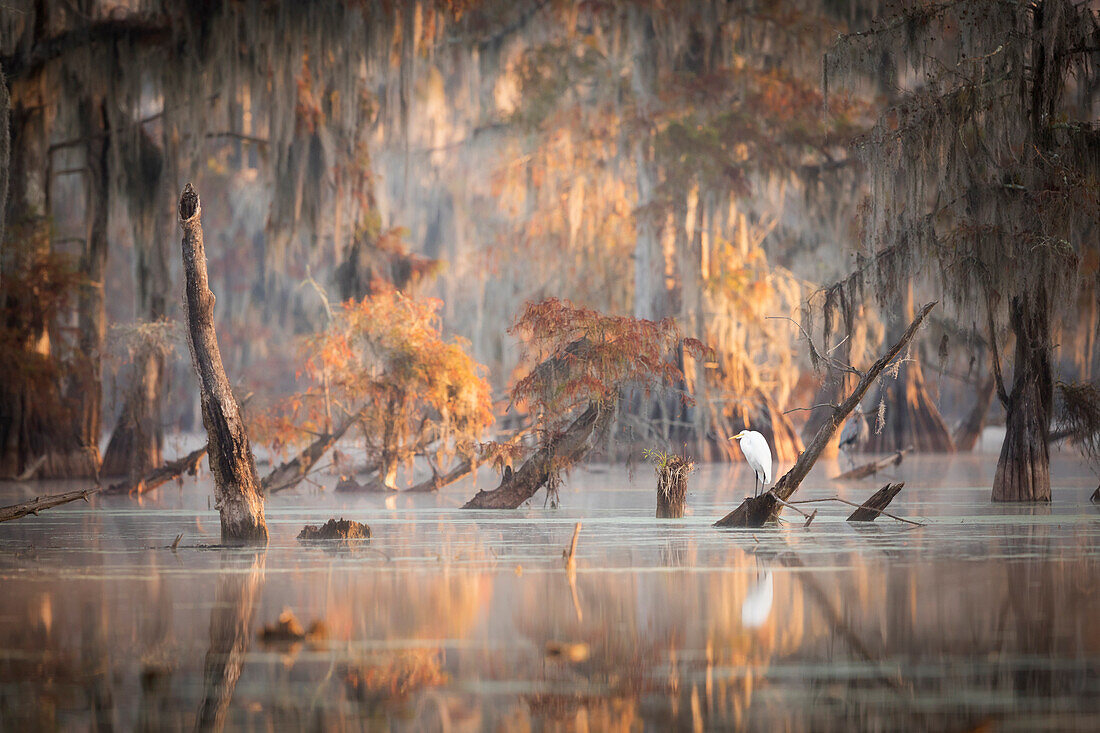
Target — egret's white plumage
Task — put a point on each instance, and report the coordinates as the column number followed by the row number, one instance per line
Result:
column 757, row 454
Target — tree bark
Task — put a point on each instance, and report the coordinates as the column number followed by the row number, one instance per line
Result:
column 86, row 387
column 237, row 491
column 564, row 450
column 5, row 157
column 756, row 511
column 37, row 504
column 1023, row 470
column 871, row 509
column 970, row 430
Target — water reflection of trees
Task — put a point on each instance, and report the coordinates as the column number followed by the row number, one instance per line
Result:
column 894, row 634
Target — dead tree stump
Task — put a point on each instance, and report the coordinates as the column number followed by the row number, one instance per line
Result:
column 237, row 492
column 871, row 509
column 672, row 482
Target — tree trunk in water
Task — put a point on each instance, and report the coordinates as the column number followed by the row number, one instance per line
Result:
column 967, row 435
column 563, row 450
column 1023, row 470
column 236, row 486
column 912, row 418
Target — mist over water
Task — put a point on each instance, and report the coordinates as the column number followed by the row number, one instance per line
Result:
column 465, row 620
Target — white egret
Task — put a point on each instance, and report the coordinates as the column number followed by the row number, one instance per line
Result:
column 855, row 433
column 758, row 455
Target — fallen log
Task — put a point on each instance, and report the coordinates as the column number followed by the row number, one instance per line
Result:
column 289, row 474
column 565, row 449
column 757, row 511
column 237, row 491
column 437, row 481
column 38, row 503
column 870, row 510
column 173, row 469
column 870, row 469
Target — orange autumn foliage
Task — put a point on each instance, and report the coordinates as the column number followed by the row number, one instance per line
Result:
column 585, row 356
column 385, row 357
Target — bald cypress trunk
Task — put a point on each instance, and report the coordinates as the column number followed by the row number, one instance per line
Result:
column 237, row 489
column 86, row 386
column 137, row 442
column 1023, row 470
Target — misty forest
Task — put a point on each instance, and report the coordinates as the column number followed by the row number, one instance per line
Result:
column 550, row 365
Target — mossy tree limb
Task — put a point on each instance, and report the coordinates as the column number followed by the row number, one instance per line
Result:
column 237, row 491
column 582, row 435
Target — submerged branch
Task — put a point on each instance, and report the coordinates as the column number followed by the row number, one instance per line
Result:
column 38, row 503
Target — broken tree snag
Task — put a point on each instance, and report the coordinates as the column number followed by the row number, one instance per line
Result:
column 336, row 529
column 870, row 510
column 672, row 481
column 289, row 474
column 38, row 503
column 757, row 511
column 870, row 469
column 189, row 464
column 237, row 491
column 566, row 449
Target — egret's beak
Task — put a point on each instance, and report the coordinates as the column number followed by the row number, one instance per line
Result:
column 738, row 436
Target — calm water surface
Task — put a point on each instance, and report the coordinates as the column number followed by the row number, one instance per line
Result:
column 987, row 617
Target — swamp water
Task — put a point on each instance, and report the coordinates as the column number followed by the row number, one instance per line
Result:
column 458, row 620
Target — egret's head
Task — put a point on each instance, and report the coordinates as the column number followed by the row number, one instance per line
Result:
column 740, row 435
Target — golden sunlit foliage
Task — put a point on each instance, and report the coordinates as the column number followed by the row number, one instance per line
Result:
column 385, row 358
column 585, row 356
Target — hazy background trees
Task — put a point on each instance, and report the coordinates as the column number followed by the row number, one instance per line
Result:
column 680, row 160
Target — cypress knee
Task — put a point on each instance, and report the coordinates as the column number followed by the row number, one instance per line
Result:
column 236, row 486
